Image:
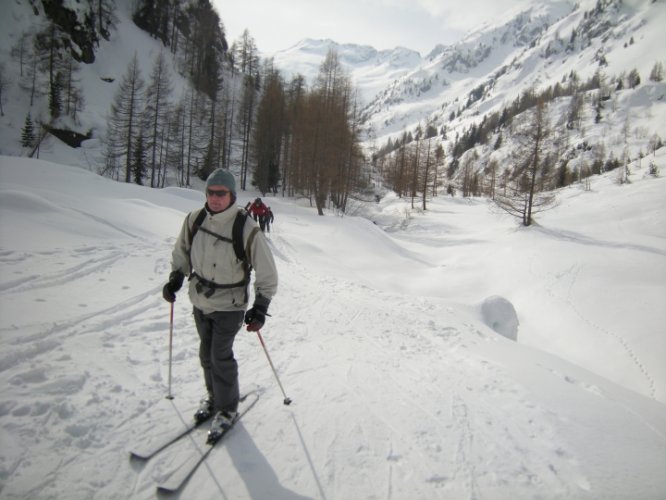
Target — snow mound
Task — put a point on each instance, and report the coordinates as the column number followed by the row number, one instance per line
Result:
column 500, row 315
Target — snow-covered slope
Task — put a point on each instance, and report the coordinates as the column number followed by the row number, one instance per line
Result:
column 538, row 48
column 98, row 81
column 533, row 46
column 400, row 388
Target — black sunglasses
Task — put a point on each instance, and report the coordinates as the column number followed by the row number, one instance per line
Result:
column 221, row 193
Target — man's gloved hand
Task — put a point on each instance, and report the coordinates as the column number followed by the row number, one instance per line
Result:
column 255, row 317
column 173, row 285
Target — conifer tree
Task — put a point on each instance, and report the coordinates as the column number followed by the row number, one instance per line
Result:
column 331, row 136
column 103, row 15
column 295, row 98
column 156, row 112
column 657, row 72
column 522, row 199
column 208, row 45
column 634, row 78
column 138, row 160
column 268, row 133
column 20, row 50
column 175, row 144
column 55, row 96
column 124, row 122
column 196, row 136
column 49, row 47
column 29, row 81
column 73, row 97
column 3, row 84
column 28, row 133
column 245, row 124
column 427, row 174
column 245, row 54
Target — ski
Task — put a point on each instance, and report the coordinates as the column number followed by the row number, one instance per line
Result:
column 174, row 480
column 151, row 447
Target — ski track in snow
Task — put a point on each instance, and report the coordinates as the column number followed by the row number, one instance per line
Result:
column 72, row 411
column 453, row 424
column 441, row 431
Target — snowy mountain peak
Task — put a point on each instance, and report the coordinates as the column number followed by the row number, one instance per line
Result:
column 349, row 53
column 368, row 67
column 530, row 48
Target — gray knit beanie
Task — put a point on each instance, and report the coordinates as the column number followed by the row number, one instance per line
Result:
column 222, row 177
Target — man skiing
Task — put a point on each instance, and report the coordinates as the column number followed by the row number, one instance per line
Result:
column 218, row 290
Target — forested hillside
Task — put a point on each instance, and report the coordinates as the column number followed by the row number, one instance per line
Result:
column 162, row 97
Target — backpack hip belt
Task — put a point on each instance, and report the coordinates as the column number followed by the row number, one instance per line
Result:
column 203, row 283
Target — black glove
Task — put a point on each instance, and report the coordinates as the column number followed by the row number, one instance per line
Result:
column 173, row 285
column 255, row 317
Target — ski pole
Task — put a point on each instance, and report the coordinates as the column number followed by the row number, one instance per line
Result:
column 169, row 395
column 287, row 401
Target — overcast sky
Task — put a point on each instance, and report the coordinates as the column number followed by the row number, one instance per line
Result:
column 384, row 24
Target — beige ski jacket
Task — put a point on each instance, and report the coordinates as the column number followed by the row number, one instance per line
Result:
column 214, row 269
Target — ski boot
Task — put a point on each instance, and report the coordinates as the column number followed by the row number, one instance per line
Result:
column 221, row 423
column 205, row 410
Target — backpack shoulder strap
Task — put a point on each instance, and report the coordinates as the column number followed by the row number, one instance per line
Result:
column 236, row 232
column 237, row 236
column 197, row 223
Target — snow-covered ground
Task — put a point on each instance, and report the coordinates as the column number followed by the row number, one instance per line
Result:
column 400, row 388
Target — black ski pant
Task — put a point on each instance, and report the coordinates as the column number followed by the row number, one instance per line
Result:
column 217, row 331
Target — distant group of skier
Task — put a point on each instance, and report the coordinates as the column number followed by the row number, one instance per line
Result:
column 261, row 214
column 217, row 249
